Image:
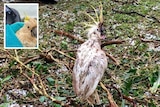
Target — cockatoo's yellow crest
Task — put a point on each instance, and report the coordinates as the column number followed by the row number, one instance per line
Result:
column 26, row 18
column 98, row 21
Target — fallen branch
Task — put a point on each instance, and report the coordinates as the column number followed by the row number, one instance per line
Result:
column 147, row 40
column 112, row 42
column 68, row 35
column 31, row 59
column 136, row 13
column 49, row 58
column 110, row 98
column 128, row 13
column 125, row 2
column 63, row 53
column 112, row 58
column 155, row 42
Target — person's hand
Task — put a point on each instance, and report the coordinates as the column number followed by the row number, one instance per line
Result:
column 11, row 38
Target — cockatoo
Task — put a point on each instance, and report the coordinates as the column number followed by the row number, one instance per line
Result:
column 28, row 33
column 91, row 62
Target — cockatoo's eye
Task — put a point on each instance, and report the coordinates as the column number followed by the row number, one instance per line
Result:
column 97, row 29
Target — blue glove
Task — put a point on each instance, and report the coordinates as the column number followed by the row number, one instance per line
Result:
column 11, row 38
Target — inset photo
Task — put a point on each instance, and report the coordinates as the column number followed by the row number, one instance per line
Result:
column 21, row 25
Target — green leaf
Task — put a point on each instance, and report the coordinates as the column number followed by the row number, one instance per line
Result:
column 4, row 105
column 151, row 104
column 127, row 86
column 51, row 81
column 123, row 103
column 155, row 85
column 153, row 77
column 64, row 45
column 57, row 105
column 1, row 70
column 132, row 70
column 60, row 98
column 12, row 63
column 69, row 26
column 42, row 99
column 6, row 79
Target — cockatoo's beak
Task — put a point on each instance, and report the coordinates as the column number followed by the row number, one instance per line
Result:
column 102, row 30
column 34, row 32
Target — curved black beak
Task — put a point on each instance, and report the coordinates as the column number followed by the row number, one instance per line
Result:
column 102, row 30
column 34, row 32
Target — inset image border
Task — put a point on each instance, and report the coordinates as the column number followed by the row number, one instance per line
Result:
column 16, row 37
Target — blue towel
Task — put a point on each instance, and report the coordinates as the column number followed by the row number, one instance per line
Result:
column 11, row 38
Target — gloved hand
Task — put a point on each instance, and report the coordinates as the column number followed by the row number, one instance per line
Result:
column 11, row 38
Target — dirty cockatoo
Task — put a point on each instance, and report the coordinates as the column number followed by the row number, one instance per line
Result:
column 28, row 33
column 91, row 62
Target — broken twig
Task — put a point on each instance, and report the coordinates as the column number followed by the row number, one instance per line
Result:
column 110, row 98
column 68, row 35
column 137, row 13
column 112, row 42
